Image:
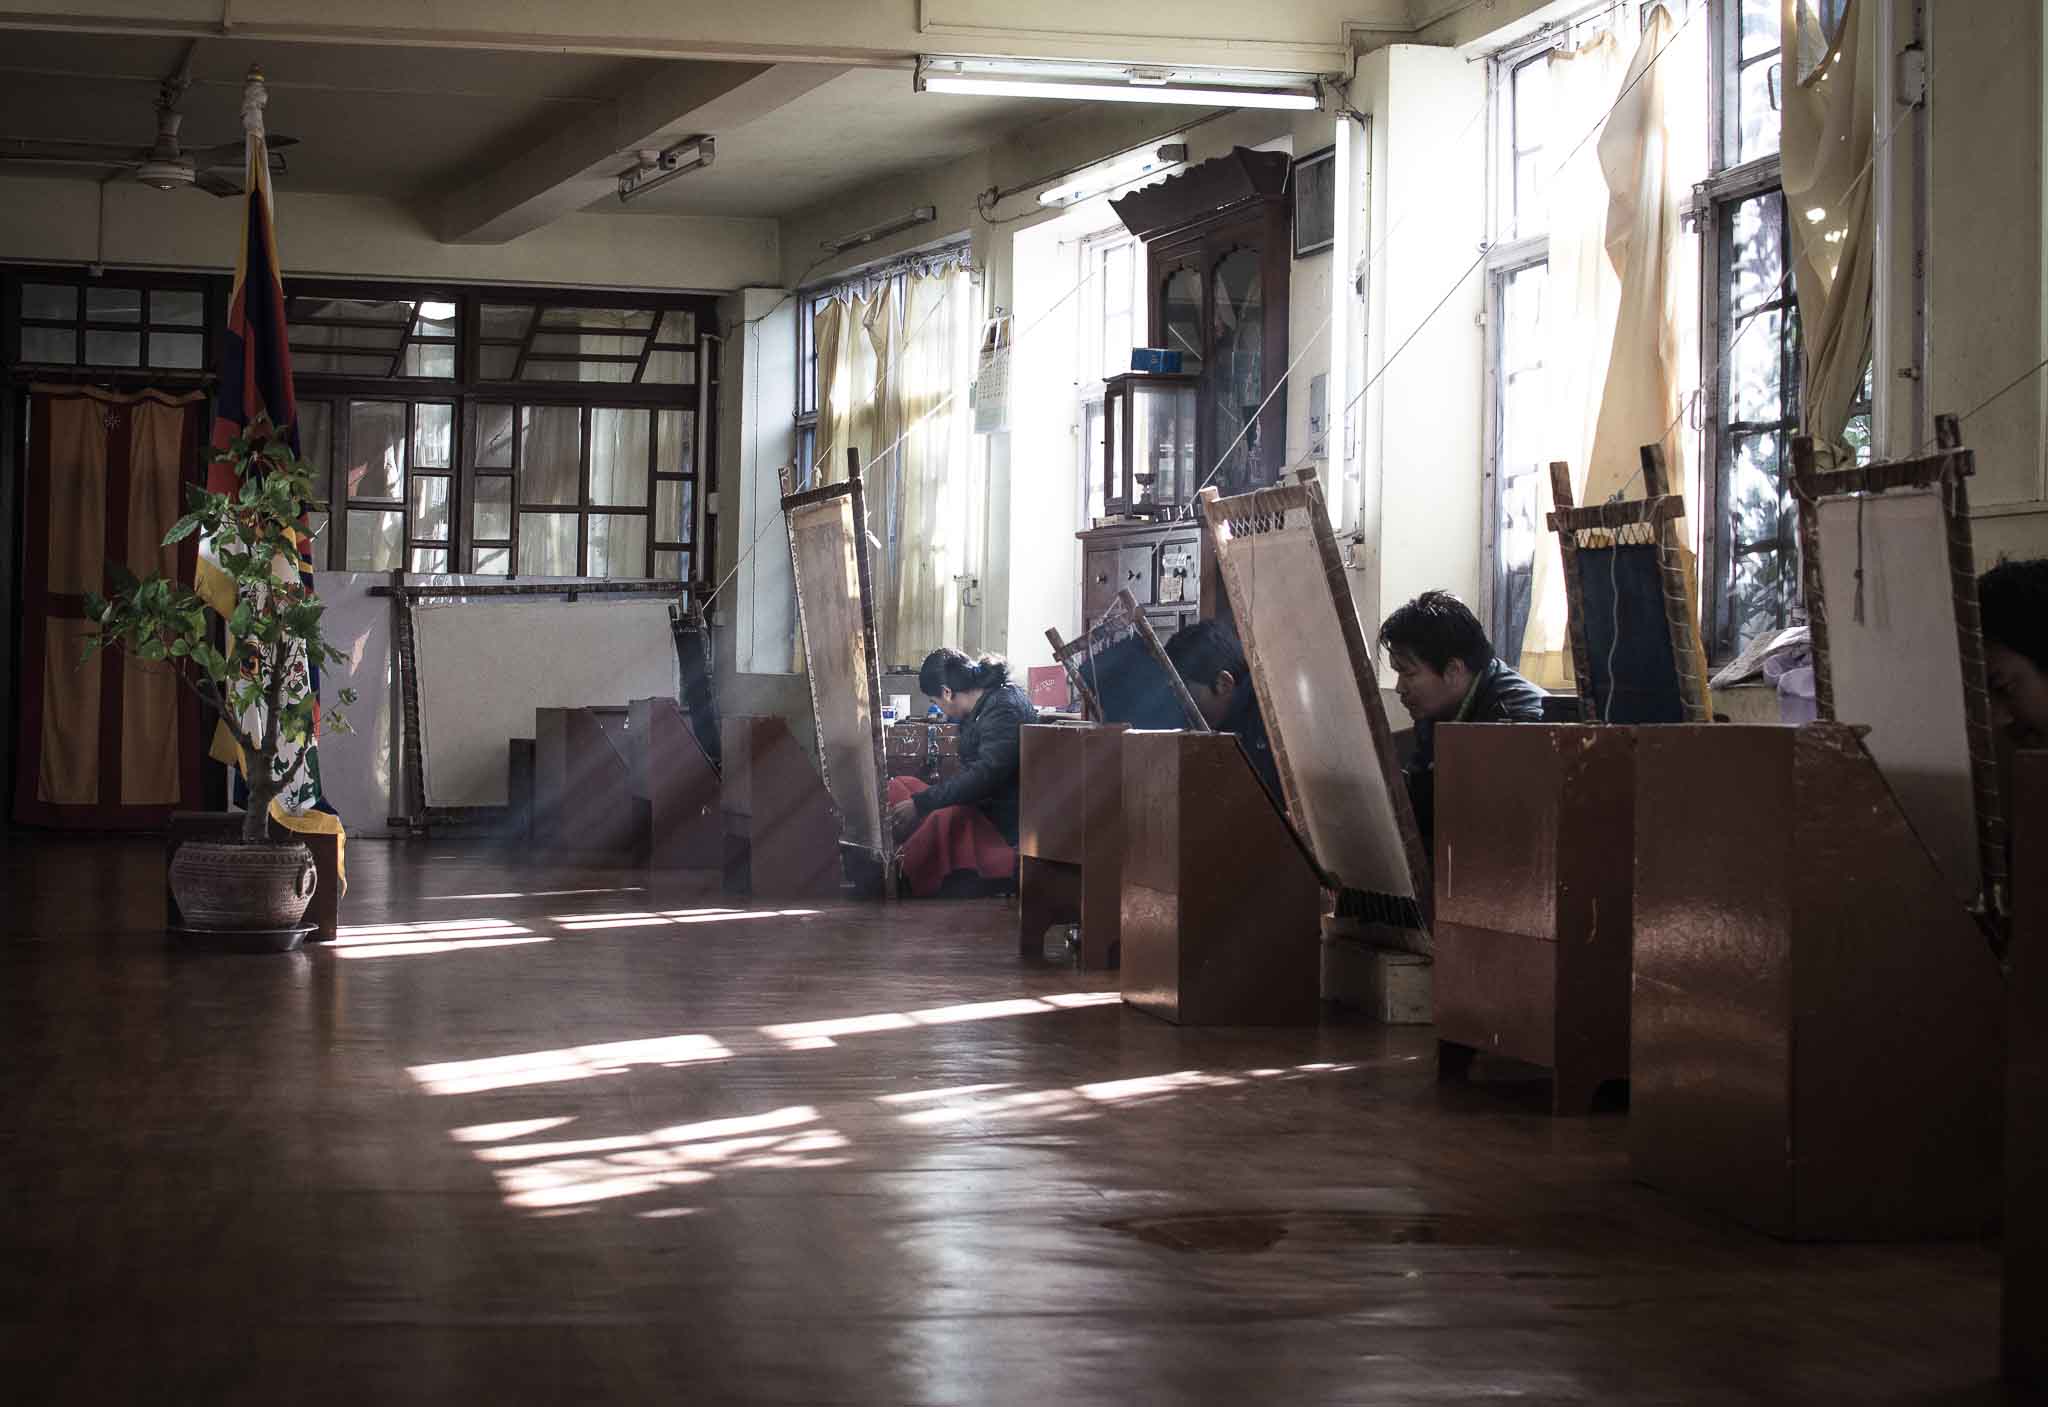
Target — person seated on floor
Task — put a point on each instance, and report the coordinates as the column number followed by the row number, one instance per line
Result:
column 1445, row 671
column 1211, row 663
column 2012, row 601
column 959, row 838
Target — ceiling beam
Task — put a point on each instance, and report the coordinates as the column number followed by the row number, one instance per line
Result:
column 580, row 164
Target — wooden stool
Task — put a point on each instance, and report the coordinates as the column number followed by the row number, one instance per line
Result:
column 1070, row 841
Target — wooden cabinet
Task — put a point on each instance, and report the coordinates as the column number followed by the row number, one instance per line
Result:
column 1160, row 564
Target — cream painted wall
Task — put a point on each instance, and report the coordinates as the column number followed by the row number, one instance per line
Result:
column 1421, row 498
column 55, row 221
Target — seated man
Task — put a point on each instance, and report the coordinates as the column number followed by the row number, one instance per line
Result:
column 2012, row 599
column 1211, row 663
column 1446, row 672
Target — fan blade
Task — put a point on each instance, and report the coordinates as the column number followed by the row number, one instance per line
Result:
column 77, row 153
column 230, row 153
column 215, row 184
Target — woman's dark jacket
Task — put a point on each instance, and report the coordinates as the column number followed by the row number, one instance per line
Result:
column 989, row 746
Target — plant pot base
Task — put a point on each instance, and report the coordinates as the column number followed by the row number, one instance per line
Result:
column 248, row 888
column 244, row 940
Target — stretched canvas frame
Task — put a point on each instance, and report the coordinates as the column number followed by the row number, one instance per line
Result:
column 1122, row 621
column 1320, row 696
column 1648, row 522
column 828, row 551
column 1931, row 729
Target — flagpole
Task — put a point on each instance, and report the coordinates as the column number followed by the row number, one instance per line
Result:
column 255, row 98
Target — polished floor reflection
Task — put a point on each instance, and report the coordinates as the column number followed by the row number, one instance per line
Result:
column 557, row 1135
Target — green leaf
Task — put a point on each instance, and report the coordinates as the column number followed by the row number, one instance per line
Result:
column 182, row 529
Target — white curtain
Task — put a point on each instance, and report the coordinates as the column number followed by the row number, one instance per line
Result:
column 1827, row 137
column 893, row 365
column 1581, row 297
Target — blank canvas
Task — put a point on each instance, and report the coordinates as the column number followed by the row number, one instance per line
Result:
column 823, row 541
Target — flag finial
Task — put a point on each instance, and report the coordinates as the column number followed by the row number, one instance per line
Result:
column 255, row 97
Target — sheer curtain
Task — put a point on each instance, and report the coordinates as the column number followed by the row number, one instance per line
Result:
column 1827, row 137
column 893, row 365
column 1581, row 297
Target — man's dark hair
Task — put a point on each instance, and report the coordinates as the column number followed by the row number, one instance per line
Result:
column 949, row 669
column 2012, row 598
column 1436, row 628
column 1204, row 650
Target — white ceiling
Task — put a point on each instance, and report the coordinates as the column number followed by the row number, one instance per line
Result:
column 410, row 123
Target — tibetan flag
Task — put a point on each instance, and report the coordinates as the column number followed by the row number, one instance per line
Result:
column 255, row 389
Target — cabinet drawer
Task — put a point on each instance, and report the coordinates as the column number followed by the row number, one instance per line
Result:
column 1134, row 572
column 1099, row 584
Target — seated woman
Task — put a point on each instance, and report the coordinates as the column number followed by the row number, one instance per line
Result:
column 959, row 838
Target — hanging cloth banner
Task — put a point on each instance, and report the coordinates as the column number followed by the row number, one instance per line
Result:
column 255, row 389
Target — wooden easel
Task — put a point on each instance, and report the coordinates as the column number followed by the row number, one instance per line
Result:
column 1650, row 521
column 1123, row 621
column 829, row 526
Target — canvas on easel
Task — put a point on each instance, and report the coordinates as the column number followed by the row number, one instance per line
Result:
column 1320, row 697
column 1121, row 673
column 828, row 548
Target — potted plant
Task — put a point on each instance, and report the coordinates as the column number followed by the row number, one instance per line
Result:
column 259, row 685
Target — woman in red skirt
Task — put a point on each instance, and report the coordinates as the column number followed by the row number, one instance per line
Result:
column 960, row 837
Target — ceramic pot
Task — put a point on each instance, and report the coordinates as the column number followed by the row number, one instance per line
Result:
column 243, row 886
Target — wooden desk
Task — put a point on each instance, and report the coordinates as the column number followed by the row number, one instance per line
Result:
column 225, row 828
column 1535, row 861
column 1816, row 1030
column 1070, row 837
column 2026, row 1140
column 1221, row 910
column 781, row 831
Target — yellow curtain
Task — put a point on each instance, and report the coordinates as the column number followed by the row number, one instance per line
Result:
column 1581, row 296
column 149, row 704
column 1827, row 137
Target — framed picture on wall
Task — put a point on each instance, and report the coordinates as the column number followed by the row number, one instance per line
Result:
column 1315, row 202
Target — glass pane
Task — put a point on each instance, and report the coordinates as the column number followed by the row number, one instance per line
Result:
column 618, row 457
column 49, row 344
column 1238, row 380
column 550, row 455
column 579, row 371
column 497, row 363
column 492, row 519
column 618, row 545
column 676, row 451
column 670, row 369
column 433, row 435
column 316, row 440
column 610, row 319
column 493, row 437
column 491, row 561
column 673, row 501
column 677, row 326
column 575, row 344
column 335, row 364
column 503, row 320
column 1756, row 506
column 436, row 320
column 178, row 307
column 1532, row 104
column 376, row 452
column 185, row 351
column 547, row 544
column 1182, row 316
column 1758, row 114
column 1755, row 366
column 113, row 305
column 430, row 559
column 49, row 300
column 376, row 540
column 430, row 508
column 353, row 310
column 316, row 524
column 113, row 348
column 671, row 566
column 435, row 360
column 384, row 339
column 1756, row 236
column 1760, row 28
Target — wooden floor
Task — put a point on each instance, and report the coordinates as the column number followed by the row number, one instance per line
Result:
column 617, row 1145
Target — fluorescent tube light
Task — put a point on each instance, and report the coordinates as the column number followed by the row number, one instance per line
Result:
column 923, row 215
column 666, row 166
column 1117, row 83
column 1108, row 175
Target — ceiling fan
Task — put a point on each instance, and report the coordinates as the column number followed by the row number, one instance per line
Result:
column 164, row 164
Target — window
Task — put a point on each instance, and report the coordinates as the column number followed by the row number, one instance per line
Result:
column 1112, row 321
column 1752, row 78
column 501, row 433
column 1519, row 398
column 104, row 324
